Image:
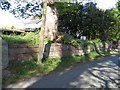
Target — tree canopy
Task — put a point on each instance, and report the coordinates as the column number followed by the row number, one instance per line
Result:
column 74, row 18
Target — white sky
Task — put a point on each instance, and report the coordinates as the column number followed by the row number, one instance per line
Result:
column 106, row 4
column 7, row 19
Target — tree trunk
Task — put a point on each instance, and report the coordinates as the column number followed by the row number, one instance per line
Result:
column 41, row 34
column 49, row 25
column 51, row 22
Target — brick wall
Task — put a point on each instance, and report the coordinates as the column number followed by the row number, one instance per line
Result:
column 22, row 52
column 27, row 51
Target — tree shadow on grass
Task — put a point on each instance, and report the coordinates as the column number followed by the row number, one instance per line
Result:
column 96, row 49
column 102, row 52
column 99, row 74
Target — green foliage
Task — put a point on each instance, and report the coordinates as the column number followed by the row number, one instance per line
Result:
column 67, row 8
column 67, row 39
column 51, row 64
column 116, row 13
column 69, row 16
column 47, row 40
column 84, row 43
column 27, row 69
column 28, row 37
column 91, row 21
column 22, row 70
column 118, row 8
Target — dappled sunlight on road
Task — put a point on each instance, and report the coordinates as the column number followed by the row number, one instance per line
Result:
column 104, row 74
column 97, row 74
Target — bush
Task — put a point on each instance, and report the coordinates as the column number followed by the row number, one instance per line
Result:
column 66, row 39
column 84, row 43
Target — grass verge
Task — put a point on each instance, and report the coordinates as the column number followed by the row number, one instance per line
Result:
column 27, row 69
column 28, row 37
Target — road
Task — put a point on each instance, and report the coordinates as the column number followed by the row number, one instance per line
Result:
column 101, row 73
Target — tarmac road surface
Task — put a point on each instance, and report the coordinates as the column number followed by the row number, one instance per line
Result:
column 103, row 73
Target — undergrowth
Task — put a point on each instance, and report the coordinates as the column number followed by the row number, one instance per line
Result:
column 27, row 69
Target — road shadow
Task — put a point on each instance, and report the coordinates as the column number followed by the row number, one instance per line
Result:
column 98, row 74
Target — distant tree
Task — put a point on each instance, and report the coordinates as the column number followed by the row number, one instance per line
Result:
column 116, row 13
column 4, row 5
column 118, row 6
column 69, row 17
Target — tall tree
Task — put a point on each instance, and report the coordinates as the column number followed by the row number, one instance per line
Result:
column 41, row 44
column 24, row 9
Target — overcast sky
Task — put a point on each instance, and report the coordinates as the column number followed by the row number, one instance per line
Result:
column 6, row 18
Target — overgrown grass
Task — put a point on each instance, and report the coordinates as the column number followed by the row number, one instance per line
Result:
column 27, row 69
column 28, row 37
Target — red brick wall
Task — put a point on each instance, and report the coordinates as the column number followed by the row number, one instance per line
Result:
column 27, row 51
